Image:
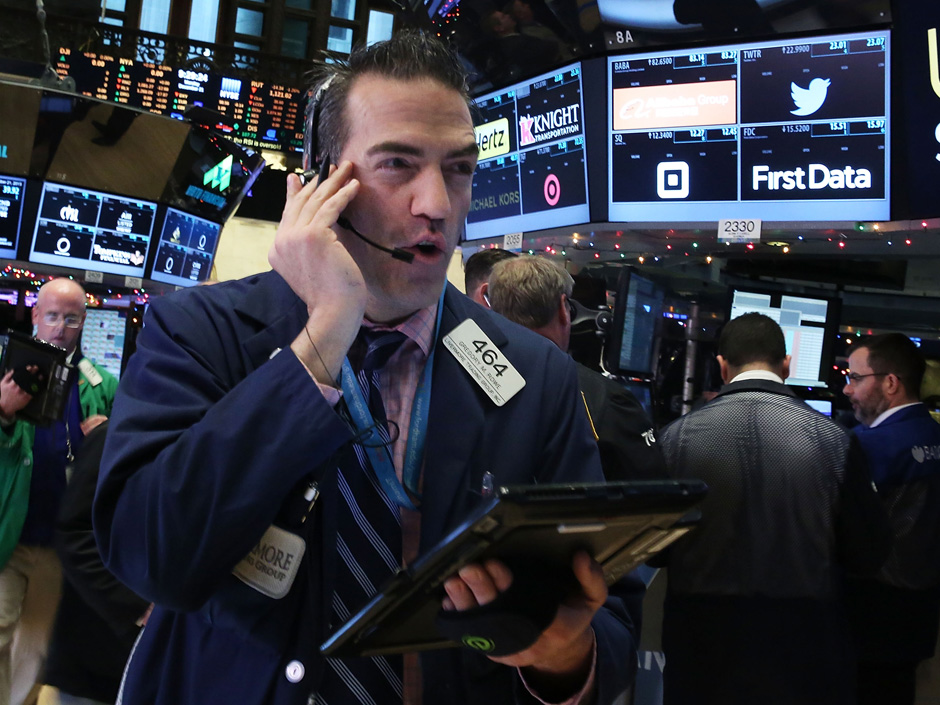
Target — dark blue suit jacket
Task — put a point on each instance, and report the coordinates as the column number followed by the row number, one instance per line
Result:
column 897, row 613
column 214, row 435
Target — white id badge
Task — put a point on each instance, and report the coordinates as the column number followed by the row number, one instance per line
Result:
column 271, row 566
column 91, row 374
column 484, row 361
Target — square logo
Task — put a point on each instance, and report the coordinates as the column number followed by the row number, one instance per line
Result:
column 672, row 179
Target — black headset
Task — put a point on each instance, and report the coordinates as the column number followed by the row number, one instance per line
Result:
column 314, row 167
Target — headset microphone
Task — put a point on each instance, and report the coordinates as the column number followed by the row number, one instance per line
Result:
column 397, row 253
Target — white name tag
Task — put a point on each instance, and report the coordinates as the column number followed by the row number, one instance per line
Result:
column 91, row 374
column 485, row 363
column 271, row 566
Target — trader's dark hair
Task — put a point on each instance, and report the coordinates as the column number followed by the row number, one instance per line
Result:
column 750, row 338
column 409, row 54
column 896, row 354
column 479, row 265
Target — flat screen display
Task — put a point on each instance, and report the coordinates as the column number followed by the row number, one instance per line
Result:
column 186, row 248
column 91, row 230
column 532, row 170
column 103, row 338
column 211, row 176
column 637, row 310
column 784, row 130
column 12, row 193
column 809, row 326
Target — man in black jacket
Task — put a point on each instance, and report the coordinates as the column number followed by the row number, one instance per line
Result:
column 535, row 293
column 99, row 617
column 477, row 270
column 754, row 611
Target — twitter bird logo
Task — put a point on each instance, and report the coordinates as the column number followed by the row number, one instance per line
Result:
column 809, row 100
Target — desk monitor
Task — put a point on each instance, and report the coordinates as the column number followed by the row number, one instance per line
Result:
column 810, row 324
column 823, row 406
column 186, row 249
column 92, row 230
column 103, row 338
column 12, row 194
column 638, row 308
column 532, row 170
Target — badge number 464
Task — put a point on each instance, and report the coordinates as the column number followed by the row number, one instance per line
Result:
column 484, row 362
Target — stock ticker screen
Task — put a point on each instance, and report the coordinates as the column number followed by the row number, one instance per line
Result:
column 85, row 229
column 186, row 249
column 793, row 130
column 532, row 172
column 264, row 115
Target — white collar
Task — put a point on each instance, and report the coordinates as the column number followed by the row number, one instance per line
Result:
column 766, row 375
column 886, row 414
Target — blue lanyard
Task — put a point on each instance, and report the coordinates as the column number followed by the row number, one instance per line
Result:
column 381, row 456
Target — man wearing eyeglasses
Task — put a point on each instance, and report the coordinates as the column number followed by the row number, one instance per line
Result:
column 898, row 610
column 32, row 480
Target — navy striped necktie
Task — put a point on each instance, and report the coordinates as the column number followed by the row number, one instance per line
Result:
column 369, row 541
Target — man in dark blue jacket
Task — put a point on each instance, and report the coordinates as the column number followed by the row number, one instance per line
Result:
column 897, row 612
column 254, row 495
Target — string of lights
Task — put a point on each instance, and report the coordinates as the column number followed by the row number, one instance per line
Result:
column 34, row 281
column 709, row 246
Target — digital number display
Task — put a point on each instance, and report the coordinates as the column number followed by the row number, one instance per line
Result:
column 264, row 115
column 749, row 131
column 91, row 230
column 532, row 172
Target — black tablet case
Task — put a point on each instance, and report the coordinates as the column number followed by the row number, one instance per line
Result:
column 620, row 524
column 17, row 351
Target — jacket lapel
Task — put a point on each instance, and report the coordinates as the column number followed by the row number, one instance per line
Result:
column 455, row 427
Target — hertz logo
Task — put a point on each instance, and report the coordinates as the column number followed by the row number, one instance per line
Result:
column 220, row 176
column 493, row 138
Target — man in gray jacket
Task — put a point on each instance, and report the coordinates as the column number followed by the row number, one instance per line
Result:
column 754, row 610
